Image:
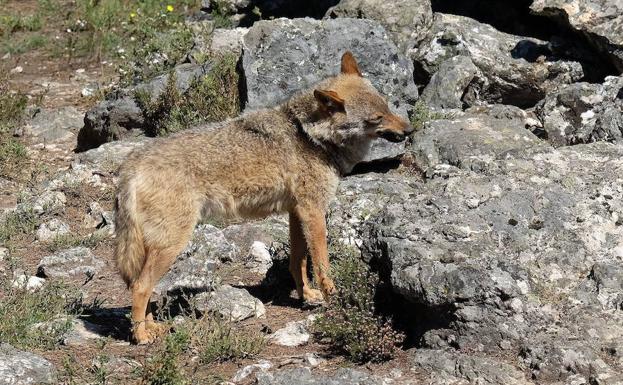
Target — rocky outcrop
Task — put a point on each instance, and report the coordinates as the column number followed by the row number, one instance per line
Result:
column 447, row 367
column 22, row 368
column 284, row 56
column 115, row 117
column 512, row 69
column 303, row 376
column 473, row 142
column 407, row 21
column 516, row 255
column 600, row 21
column 583, row 113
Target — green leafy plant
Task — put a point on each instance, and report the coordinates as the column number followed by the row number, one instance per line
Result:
column 422, row 114
column 350, row 323
column 213, row 97
column 163, row 367
column 218, row 341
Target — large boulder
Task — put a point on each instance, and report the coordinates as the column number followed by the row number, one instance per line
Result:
column 284, row 56
column 231, row 303
column 119, row 116
column 49, row 126
column 513, row 69
column 600, row 21
column 583, row 112
column 407, row 21
column 23, row 368
column 447, row 86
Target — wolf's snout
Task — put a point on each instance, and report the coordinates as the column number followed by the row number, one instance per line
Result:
column 409, row 130
column 391, row 136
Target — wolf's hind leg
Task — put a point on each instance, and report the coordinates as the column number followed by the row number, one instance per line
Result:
column 157, row 263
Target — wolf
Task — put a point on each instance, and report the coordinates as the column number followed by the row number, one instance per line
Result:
column 286, row 159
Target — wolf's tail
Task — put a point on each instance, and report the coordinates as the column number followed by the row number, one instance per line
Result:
column 130, row 250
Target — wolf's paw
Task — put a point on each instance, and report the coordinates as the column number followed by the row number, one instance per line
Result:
column 142, row 337
column 156, row 328
column 148, row 337
column 312, row 296
column 150, row 333
column 328, row 289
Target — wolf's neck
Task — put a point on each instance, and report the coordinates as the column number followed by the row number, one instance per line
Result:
column 344, row 150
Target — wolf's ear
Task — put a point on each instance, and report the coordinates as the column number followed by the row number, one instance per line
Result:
column 349, row 64
column 329, row 100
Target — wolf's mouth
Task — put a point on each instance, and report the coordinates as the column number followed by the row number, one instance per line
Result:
column 391, row 136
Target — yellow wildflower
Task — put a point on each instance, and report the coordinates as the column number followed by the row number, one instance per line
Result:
column 170, row 8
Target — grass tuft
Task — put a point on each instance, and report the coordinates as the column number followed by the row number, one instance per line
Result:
column 218, row 341
column 68, row 241
column 221, row 12
column 211, row 338
column 17, row 223
column 9, row 24
column 36, row 319
column 164, row 367
column 13, row 154
column 12, row 107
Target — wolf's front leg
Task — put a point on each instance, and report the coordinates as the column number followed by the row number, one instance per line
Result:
column 315, row 232
column 298, row 262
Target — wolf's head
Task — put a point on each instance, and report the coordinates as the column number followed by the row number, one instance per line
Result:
column 355, row 108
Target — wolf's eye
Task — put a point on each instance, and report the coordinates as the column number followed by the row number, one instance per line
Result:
column 375, row 119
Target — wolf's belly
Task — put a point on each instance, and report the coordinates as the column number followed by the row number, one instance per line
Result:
column 251, row 204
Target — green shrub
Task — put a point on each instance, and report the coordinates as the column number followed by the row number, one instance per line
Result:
column 422, row 114
column 218, row 341
column 350, row 322
column 213, row 97
column 163, row 367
